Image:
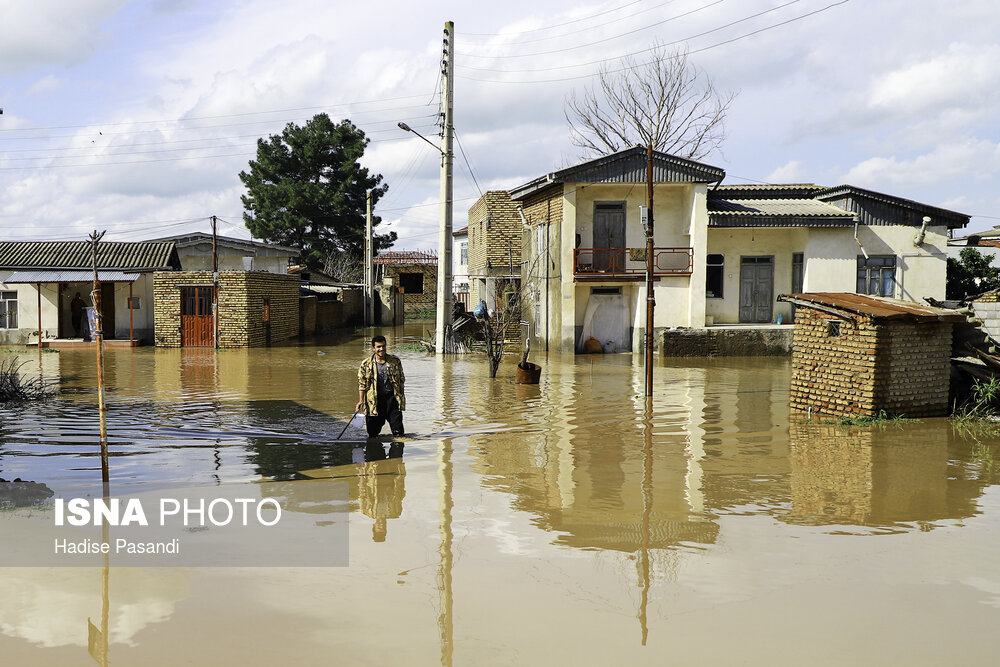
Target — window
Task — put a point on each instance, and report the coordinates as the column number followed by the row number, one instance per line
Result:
column 877, row 275
column 833, row 328
column 8, row 310
column 463, row 253
column 714, row 276
column 412, row 283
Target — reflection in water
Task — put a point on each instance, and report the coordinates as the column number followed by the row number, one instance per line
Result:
column 878, row 476
column 570, row 508
column 382, row 485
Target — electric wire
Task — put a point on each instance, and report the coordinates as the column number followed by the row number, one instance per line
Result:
column 691, row 52
column 575, row 32
column 632, row 54
column 600, row 41
column 558, row 25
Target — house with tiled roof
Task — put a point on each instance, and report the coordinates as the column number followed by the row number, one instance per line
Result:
column 721, row 255
column 41, row 280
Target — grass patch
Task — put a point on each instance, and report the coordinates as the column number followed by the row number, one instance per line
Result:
column 878, row 419
column 15, row 387
column 411, row 347
column 425, row 314
column 982, row 402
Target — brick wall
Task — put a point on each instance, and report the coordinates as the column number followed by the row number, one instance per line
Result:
column 898, row 366
column 415, row 303
column 494, row 234
column 241, row 306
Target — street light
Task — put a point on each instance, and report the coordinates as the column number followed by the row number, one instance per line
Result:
column 444, row 236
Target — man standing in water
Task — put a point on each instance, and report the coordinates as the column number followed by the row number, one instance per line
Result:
column 380, row 390
column 76, row 307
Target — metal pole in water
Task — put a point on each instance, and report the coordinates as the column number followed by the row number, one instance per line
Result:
column 99, row 339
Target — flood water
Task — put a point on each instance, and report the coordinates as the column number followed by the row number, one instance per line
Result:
column 558, row 524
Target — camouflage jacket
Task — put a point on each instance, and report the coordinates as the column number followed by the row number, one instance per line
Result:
column 368, row 381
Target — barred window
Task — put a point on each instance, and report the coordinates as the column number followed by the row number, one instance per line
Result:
column 877, row 275
column 8, row 310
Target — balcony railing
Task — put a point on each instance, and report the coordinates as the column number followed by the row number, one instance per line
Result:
column 631, row 262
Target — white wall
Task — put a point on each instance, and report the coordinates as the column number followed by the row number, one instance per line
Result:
column 830, row 255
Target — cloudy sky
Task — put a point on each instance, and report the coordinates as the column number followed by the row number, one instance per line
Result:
column 137, row 117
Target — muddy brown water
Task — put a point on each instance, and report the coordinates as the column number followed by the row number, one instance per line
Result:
column 564, row 523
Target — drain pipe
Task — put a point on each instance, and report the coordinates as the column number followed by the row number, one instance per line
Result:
column 857, row 219
column 918, row 240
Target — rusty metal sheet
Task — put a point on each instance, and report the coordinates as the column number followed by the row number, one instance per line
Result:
column 874, row 307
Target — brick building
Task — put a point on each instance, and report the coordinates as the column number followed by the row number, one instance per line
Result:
column 255, row 308
column 858, row 354
column 494, row 251
column 414, row 273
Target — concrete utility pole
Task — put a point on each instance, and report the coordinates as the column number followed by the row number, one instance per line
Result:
column 650, row 302
column 215, row 286
column 99, row 339
column 369, row 265
column 444, row 237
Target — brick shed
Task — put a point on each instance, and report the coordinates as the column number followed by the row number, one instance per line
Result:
column 415, row 272
column 255, row 308
column 856, row 354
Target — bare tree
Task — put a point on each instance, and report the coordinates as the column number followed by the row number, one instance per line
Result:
column 665, row 101
column 344, row 267
column 504, row 325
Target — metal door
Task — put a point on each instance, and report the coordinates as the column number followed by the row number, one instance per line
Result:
column 798, row 265
column 196, row 317
column 756, row 289
column 609, row 237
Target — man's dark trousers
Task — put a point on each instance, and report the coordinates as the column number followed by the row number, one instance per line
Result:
column 387, row 410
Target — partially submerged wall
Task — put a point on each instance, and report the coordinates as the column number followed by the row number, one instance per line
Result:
column 736, row 342
column 854, row 366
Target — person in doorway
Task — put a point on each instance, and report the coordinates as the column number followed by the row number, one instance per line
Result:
column 76, row 307
column 380, row 390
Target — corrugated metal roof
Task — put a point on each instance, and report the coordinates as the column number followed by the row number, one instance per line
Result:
column 134, row 255
column 627, row 166
column 765, row 191
column 876, row 208
column 760, row 207
column 71, row 276
column 873, row 307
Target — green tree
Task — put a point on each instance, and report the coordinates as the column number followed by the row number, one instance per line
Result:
column 973, row 273
column 306, row 190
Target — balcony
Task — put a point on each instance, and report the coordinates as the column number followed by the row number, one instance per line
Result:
column 629, row 264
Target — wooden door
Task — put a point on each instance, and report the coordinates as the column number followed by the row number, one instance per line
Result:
column 108, row 310
column 196, row 317
column 756, row 289
column 609, row 237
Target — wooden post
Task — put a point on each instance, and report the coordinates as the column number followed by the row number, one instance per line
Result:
column 99, row 339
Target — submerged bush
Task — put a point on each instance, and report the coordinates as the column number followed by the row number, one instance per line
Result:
column 14, row 386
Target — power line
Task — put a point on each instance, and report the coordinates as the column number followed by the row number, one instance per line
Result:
column 576, row 32
column 160, row 150
column 635, row 53
column 558, row 25
column 233, row 115
column 705, row 48
column 599, row 41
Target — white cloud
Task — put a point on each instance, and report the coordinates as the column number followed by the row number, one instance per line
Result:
column 792, row 171
column 964, row 76
column 969, row 160
column 52, row 31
